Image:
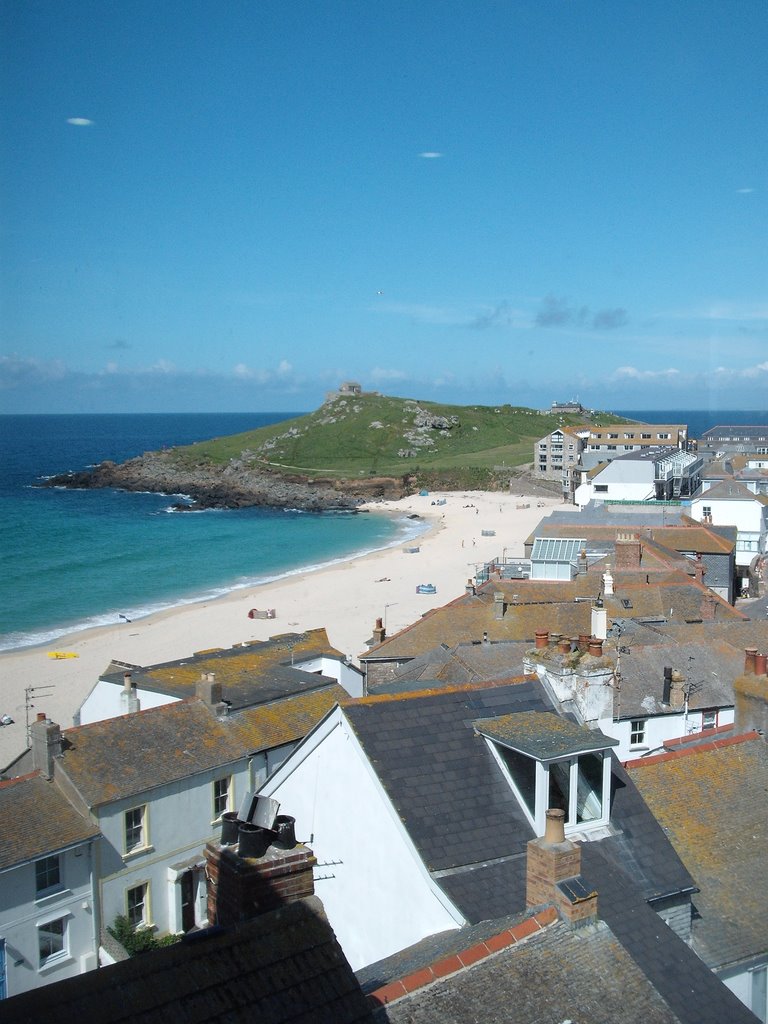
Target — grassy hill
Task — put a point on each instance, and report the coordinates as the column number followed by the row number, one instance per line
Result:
column 376, row 435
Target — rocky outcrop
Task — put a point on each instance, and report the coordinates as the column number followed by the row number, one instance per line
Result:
column 235, row 485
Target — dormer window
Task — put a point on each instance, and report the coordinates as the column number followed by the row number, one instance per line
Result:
column 551, row 762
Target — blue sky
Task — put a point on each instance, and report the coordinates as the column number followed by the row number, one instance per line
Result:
column 234, row 206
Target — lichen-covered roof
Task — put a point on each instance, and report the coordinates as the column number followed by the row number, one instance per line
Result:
column 285, row 966
column 124, row 756
column 253, row 673
column 713, row 804
column 37, row 821
column 543, row 735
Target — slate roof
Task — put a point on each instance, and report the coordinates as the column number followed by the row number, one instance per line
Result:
column 37, row 821
column 254, row 673
column 558, row 974
column 285, row 966
column 686, row 535
column 463, row 663
column 132, row 754
column 713, row 802
column 709, row 667
column 557, row 605
column 459, row 810
column 732, row 490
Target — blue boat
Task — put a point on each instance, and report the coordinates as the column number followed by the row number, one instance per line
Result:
column 426, row 588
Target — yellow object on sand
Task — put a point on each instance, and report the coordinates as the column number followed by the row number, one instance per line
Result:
column 62, row 654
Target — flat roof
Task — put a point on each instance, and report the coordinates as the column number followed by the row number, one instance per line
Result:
column 542, row 735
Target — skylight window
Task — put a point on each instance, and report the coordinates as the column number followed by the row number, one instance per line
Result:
column 551, row 762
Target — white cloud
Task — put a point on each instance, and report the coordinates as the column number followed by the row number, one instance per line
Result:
column 284, row 367
column 632, row 373
column 747, row 372
column 744, row 191
column 80, row 122
column 380, row 375
column 430, row 155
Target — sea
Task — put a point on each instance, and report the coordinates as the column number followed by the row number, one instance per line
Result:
column 73, row 559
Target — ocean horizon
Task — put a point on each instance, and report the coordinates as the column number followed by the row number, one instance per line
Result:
column 71, row 560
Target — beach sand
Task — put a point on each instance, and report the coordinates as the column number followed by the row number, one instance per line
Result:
column 345, row 598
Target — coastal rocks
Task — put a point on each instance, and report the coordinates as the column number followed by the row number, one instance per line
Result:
column 236, row 485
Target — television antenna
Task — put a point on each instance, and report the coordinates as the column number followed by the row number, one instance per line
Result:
column 31, row 693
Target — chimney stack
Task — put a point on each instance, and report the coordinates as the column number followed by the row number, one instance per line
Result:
column 469, row 589
column 553, row 874
column 129, row 700
column 708, row 606
column 666, row 696
column 751, row 694
column 599, row 620
column 499, row 605
column 241, row 886
column 607, row 581
column 46, row 742
column 629, row 551
column 379, row 633
column 677, row 690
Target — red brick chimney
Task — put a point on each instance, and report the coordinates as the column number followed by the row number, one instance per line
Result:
column 708, row 607
column 240, row 888
column 751, row 694
column 553, row 874
column 629, row 551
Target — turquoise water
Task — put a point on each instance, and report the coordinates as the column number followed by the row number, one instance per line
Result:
column 74, row 559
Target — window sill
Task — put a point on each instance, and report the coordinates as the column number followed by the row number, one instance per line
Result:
column 55, row 961
column 635, row 747
column 138, row 852
column 45, row 899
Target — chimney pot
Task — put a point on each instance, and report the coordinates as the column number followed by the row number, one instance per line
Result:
column 583, row 642
column 749, row 660
column 596, row 647
column 554, row 831
column 565, row 645
column 760, row 664
column 40, row 716
column 542, row 638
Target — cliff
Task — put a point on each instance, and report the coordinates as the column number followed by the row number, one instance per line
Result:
column 230, row 486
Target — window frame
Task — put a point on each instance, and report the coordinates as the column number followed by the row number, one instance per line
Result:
column 141, row 828
column 61, row 952
column 44, row 866
column 144, row 903
column 537, row 815
column 217, row 796
column 637, row 732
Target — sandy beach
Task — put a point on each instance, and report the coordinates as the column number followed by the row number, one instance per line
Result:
column 345, row 598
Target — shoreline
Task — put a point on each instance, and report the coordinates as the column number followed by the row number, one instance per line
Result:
column 345, row 597
column 216, row 592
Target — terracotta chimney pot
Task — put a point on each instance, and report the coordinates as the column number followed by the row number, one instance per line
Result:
column 760, row 664
column 749, row 660
column 565, row 645
column 542, row 638
column 596, row 647
column 554, row 830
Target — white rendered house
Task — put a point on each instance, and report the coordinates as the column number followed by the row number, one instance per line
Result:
column 48, row 913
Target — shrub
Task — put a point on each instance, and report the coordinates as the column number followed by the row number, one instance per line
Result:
column 136, row 940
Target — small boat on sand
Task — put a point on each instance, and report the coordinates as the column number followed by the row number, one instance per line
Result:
column 426, row 588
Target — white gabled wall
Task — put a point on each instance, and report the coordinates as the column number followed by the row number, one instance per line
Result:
column 375, row 889
column 105, row 701
column 346, row 675
column 659, row 729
